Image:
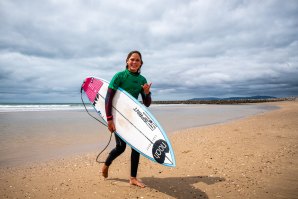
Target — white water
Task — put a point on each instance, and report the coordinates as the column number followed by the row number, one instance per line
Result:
column 6, row 108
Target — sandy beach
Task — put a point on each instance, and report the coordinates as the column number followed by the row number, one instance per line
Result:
column 253, row 157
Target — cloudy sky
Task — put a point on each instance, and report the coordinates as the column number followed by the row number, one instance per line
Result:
column 191, row 48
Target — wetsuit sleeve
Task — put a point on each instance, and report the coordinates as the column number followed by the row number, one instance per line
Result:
column 108, row 103
column 146, row 99
column 115, row 82
column 113, row 86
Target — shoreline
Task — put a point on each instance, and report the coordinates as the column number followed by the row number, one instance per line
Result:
column 252, row 157
column 24, row 135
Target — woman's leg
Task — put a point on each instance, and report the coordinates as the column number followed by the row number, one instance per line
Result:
column 118, row 150
column 134, row 161
column 135, row 157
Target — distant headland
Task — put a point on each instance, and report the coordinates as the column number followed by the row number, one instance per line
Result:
column 230, row 100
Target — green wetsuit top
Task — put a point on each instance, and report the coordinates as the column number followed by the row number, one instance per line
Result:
column 128, row 81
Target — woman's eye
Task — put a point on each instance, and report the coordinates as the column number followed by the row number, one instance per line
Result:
column 136, row 60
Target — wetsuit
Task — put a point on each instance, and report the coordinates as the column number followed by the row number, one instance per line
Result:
column 131, row 83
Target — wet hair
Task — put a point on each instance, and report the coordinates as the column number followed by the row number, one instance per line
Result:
column 130, row 54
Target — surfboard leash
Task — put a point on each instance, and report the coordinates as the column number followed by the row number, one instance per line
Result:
column 97, row 157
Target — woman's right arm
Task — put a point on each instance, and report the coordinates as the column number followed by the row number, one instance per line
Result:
column 108, row 107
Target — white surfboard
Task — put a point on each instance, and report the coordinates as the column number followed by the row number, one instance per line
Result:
column 133, row 121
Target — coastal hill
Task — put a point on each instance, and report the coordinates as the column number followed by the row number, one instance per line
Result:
column 229, row 100
column 236, row 98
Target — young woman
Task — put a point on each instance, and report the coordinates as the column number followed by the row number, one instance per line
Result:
column 135, row 84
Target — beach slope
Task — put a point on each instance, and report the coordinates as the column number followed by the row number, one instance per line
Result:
column 254, row 157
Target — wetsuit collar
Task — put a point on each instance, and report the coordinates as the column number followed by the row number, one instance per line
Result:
column 135, row 74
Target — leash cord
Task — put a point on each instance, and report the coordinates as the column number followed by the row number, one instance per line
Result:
column 99, row 122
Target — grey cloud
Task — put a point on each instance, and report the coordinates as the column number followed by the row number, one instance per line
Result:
column 190, row 48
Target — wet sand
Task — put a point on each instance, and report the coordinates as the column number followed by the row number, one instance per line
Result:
column 34, row 136
column 254, row 157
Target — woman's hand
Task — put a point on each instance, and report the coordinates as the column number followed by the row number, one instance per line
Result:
column 111, row 126
column 146, row 88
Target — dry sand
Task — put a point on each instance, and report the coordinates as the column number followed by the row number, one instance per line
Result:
column 255, row 157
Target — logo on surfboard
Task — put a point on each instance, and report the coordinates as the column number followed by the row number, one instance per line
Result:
column 159, row 150
column 146, row 119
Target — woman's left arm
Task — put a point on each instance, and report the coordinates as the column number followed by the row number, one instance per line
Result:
column 146, row 99
column 146, row 94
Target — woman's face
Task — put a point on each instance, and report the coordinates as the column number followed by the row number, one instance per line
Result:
column 134, row 62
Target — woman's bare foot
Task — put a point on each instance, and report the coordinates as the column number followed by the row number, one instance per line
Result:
column 136, row 182
column 105, row 171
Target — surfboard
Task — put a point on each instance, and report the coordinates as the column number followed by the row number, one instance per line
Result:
column 133, row 121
